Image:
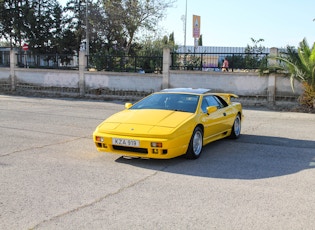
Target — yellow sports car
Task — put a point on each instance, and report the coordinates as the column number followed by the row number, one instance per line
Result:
column 170, row 123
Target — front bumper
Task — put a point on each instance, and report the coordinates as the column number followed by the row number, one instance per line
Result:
column 170, row 147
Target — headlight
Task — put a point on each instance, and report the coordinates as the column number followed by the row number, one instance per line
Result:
column 156, row 144
column 99, row 139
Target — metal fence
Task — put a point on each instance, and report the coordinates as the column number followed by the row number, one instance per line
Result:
column 114, row 63
column 210, row 58
column 201, row 61
column 47, row 61
column 213, row 61
column 121, row 63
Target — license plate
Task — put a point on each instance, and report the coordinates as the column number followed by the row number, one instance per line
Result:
column 125, row 142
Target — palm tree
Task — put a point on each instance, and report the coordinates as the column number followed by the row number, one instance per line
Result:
column 300, row 65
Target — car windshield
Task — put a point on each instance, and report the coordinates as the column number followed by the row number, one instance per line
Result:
column 169, row 101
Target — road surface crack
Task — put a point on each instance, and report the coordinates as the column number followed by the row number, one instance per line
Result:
column 43, row 146
column 94, row 202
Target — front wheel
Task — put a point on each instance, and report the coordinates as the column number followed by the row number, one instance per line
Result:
column 236, row 129
column 195, row 145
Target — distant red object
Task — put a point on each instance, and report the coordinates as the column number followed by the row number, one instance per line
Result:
column 25, row 47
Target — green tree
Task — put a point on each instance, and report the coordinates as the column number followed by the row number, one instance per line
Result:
column 36, row 22
column 12, row 21
column 74, row 22
column 256, row 47
column 299, row 64
column 200, row 40
column 171, row 42
column 43, row 18
column 131, row 17
column 171, row 39
column 254, row 57
column 84, row 18
column 100, row 30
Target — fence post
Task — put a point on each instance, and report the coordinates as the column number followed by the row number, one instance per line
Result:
column 82, row 66
column 271, row 90
column 166, row 68
column 13, row 62
column 273, row 52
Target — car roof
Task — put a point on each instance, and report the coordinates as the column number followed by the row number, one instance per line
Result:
column 187, row 90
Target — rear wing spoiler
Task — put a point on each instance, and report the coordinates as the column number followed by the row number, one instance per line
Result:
column 227, row 96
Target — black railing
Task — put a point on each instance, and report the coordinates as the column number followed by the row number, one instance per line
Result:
column 121, row 63
column 214, row 61
column 146, row 64
column 47, row 61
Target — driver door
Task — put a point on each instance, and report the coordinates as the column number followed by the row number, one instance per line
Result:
column 213, row 122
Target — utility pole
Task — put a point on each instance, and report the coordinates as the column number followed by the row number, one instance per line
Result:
column 87, row 40
column 185, row 26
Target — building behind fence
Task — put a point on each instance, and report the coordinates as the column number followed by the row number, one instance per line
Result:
column 4, row 57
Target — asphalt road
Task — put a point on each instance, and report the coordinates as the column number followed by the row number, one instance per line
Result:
column 52, row 177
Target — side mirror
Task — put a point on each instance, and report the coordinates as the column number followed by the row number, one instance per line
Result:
column 128, row 105
column 211, row 109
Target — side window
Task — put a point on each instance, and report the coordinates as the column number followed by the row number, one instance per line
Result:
column 221, row 101
column 209, row 101
column 204, row 105
column 212, row 101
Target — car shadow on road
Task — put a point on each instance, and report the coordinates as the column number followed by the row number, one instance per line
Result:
column 249, row 157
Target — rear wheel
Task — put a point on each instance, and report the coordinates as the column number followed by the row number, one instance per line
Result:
column 236, row 129
column 195, row 144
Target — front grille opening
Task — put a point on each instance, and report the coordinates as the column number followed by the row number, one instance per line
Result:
column 130, row 149
column 101, row 145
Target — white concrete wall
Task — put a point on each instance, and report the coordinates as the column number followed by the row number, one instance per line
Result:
column 123, row 81
column 48, row 78
column 5, row 74
column 283, row 86
column 241, row 83
column 244, row 84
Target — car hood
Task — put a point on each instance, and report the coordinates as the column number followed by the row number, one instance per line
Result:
column 139, row 122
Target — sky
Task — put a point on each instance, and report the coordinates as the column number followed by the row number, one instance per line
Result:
column 233, row 23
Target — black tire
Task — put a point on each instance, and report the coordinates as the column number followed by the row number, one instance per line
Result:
column 236, row 129
column 195, row 145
